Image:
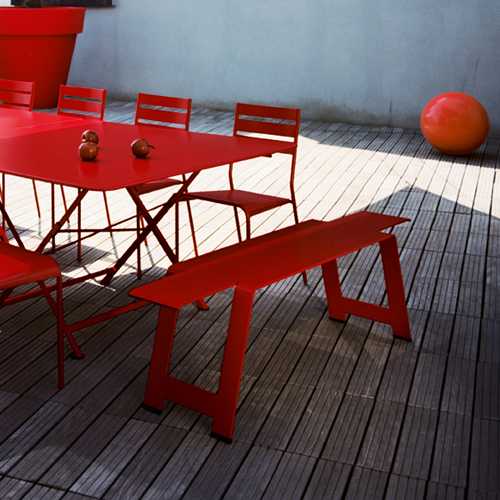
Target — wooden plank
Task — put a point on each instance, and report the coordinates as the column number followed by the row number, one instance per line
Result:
column 347, row 432
column 379, row 443
column 405, row 487
column 113, row 459
column 255, row 474
column 414, row 453
column 450, row 459
column 367, row 484
column 291, row 477
column 329, row 481
column 485, row 459
column 303, row 371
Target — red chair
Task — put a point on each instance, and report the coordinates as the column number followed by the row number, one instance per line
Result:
column 249, row 119
column 18, row 95
column 163, row 111
column 82, row 102
column 20, row 267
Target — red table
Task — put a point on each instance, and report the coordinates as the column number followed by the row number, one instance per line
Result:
column 14, row 122
column 44, row 147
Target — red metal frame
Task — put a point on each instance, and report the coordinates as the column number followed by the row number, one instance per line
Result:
column 82, row 102
column 24, row 150
column 163, row 111
column 22, row 267
column 249, row 266
column 267, row 120
column 15, row 94
column 88, row 103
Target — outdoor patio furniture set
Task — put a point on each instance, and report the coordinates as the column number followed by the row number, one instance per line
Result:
column 179, row 156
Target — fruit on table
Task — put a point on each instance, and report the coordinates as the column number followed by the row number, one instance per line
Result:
column 90, row 136
column 141, row 148
column 88, row 151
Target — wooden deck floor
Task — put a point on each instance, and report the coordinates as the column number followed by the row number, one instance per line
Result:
column 327, row 410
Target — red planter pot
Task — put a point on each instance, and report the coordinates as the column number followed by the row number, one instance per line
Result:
column 37, row 45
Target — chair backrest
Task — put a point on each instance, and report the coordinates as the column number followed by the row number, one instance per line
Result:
column 84, row 102
column 163, row 111
column 267, row 120
column 17, row 94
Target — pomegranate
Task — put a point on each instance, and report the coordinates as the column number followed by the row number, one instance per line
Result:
column 88, row 151
column 90, row 136
column 141, row 148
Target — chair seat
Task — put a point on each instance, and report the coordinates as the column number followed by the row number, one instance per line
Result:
column 21, row 267
column 251, row 203
column 150, row 187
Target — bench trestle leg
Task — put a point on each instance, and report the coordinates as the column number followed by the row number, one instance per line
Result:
column 333, row 291
column 395, row 315
column 395, row 288
column 233, row 364
column 154, row 398
column 222, row 405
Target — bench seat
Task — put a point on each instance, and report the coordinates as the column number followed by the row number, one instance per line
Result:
column 254, row 264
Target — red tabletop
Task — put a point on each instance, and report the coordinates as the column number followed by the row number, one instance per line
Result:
column 50, row 154
column 16, row 122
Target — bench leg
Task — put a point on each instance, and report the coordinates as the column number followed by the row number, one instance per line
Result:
column 222, row 405
column 395, row 288
column 154, row 398
column 232, row 365
column 333, row 291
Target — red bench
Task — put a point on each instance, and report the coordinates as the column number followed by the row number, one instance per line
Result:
column 251, row 265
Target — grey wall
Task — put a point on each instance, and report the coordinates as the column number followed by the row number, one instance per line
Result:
column 349, row 60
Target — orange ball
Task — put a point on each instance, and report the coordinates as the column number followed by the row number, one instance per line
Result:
column 455, row 123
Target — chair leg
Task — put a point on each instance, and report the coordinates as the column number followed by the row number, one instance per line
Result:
column 108, row 216
column 191, row 225
column 238, row 228
column 60, row 333
column 79, row 231
column 177, row 244
column 37, row 201
column 63, row 194
column 53, row 214
column 142, row 227
column 2, row 198
column 296, row 218
column 138, row 231
column 248, row 227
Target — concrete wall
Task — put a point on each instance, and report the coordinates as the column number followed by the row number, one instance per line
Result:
column 348, row 60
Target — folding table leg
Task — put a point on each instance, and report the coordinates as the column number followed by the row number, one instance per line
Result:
column 232, row 365
column 151, row 227
column 395, row 288
column 75, row 348
column 154, row 398
column 2, row 199
column 333, row 291
column 56, row 226
column 7, row 222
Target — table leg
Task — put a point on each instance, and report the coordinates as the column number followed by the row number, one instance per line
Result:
column 7, row 222
column 151, row 227
column 56, row 227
